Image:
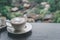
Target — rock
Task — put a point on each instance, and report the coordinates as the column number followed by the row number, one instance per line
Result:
column 30, row 20
column 47, row 6
column 45, row 22
column 43, row 3
column 25, row 15
column 14, row 9
column 48, row 16
column 26, row 5
column 25, row 1
column 34, row 16
column 48, row 21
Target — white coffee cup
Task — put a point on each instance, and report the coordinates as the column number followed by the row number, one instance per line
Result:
column 18, row 23
column 2, row 21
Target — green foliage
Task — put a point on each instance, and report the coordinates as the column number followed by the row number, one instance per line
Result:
column 52, row 4
column 34, row 10
column 43, row 13
column 58, row 20
column 5, row 10
column 21, row 7
column 55, row 4
column 57, row 17
column 17, row 14
column 36, row 1
column 5, row 6
column 5, row 2
column 58, row 6
column 14, row 14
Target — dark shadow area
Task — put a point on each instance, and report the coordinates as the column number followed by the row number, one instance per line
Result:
column 19, row 36
column 3, row 29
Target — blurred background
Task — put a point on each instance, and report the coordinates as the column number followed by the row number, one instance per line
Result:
column 41, row 11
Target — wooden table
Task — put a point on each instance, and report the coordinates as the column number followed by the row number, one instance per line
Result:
column 40, row 31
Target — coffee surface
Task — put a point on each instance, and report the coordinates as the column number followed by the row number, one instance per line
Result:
column 18, row 20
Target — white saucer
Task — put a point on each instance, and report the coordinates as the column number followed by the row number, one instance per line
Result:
column 10, row 29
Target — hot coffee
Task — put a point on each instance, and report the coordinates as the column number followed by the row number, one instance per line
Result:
column 18, row 23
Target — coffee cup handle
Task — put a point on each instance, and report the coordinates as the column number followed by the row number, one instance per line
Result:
column 9, row 25
column 8, row 21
